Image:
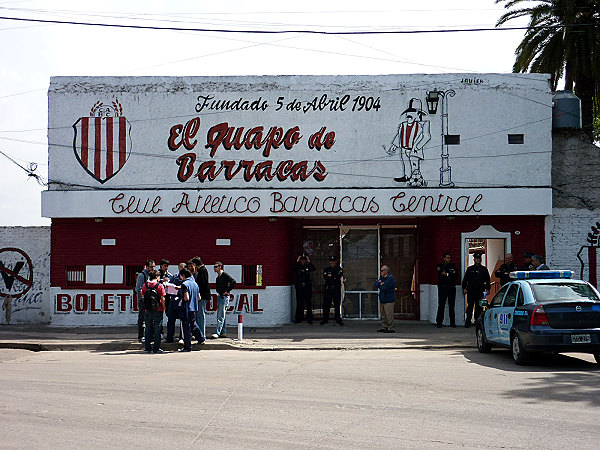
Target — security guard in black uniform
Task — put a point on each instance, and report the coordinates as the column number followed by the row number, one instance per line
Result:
column 528, row 263
column 303, row 268
column 333, row 290
column 476, row 280
column 503, row 272
column 446, row 272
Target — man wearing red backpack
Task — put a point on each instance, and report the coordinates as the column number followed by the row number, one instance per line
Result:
column 153, row 295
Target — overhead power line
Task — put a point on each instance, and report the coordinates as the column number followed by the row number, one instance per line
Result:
column 224, row 30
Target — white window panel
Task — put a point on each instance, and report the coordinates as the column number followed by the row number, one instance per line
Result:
column 113, row 274
column 94, row 274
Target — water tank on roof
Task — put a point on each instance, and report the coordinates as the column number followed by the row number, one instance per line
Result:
column 566, row 110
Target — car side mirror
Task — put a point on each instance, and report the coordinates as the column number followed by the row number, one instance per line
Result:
column 483, row 303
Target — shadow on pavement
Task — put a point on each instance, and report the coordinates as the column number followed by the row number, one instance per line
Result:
column 562, row 377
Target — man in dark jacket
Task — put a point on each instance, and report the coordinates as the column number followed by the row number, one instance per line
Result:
column 475, row 282
column 201, row 277
column 503, row 272
column 527, row 262
column 446, row 272
column 332, row 290
column 386, row 284
column 224, row 284
column 302, row 269
column 142, row 277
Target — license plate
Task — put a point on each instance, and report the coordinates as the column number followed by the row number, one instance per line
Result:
column 581, row 339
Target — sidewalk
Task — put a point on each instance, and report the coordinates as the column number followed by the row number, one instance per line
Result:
column 354, row 335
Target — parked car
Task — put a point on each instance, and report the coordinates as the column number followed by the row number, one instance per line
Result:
column 541, row 311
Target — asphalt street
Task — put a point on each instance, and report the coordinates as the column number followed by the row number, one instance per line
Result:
column 297, row 399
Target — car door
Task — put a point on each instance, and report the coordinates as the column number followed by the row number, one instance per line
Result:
column 491, row 316
column 506, row 313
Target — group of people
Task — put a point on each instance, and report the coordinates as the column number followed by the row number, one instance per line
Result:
column 182, row 296
column 476, row 283
column 332, row 292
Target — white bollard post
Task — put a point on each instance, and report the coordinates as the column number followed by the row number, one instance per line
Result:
column 240, row 328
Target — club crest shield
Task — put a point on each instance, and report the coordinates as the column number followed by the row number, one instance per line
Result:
column 102, row 141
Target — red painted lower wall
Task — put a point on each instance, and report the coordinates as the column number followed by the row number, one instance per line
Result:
column 253, row 241
column 274, row 244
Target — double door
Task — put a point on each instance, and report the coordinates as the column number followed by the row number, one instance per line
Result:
column 362, row 250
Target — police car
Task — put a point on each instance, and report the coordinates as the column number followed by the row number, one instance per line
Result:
column 541, row 311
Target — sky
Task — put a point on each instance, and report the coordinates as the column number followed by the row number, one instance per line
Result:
column 31, row 53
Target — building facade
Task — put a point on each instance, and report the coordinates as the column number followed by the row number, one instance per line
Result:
column 254, row 171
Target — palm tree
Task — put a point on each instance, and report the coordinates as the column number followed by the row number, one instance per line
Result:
column 562, row 39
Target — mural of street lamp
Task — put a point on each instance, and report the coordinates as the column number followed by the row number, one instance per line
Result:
column 433, row 99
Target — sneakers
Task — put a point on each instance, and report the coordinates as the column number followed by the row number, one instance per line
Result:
column 215, row 336
column 160, row 350
column 381, row 330
column 184, row 350
column 181, row 341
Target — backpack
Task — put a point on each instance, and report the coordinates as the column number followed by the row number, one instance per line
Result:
column 151, row 297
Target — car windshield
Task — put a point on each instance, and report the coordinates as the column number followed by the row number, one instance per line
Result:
column 552, row 292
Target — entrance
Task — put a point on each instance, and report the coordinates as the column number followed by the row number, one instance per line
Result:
column 362, row 250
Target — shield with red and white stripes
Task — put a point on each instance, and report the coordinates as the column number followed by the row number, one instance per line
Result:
column 102, row 145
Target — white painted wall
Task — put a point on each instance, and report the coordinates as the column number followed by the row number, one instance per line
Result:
column 569, row 229
column 318, row 203
column 272, row 308
column 26, row 278
column 429, row 305
column 154, row 107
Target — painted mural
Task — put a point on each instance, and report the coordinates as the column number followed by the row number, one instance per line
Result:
column 24, row 275
column 294, row 146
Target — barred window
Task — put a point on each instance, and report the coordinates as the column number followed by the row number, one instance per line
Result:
column 252, row 275
column 75, row 275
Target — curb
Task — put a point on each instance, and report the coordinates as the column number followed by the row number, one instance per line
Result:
column 133, row 346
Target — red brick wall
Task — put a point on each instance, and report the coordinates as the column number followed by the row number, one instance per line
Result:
column 438, row 235
column 257, row 241
column 253, row 241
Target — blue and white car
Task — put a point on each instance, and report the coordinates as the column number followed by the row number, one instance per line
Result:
column 541, row 311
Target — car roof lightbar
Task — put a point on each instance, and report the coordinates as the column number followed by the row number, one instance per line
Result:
column 540, row 274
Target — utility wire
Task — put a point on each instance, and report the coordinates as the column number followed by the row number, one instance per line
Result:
column 300, row 31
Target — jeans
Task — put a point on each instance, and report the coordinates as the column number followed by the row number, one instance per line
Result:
column 141, row 317
column 190, row 327
column 153, row 321
column 172, row 316
column 201, row 317
column 222, row 305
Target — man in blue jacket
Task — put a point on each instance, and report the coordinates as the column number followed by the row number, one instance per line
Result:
column 189, row 293
column 387, row 299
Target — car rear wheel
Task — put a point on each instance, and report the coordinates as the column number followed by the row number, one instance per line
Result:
column 482, row 344
column 520, row 356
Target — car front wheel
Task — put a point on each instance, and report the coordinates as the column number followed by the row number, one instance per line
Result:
column 520, row 356
column 482, row 344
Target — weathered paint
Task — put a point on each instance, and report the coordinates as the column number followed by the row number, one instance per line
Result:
column 25, row 275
